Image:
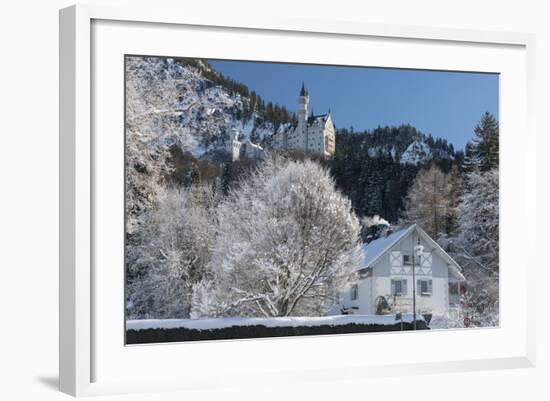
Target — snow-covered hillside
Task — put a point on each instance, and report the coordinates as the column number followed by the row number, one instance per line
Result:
column 209, row 111
column 374, row 151
column 417, row 152
column 404, row 144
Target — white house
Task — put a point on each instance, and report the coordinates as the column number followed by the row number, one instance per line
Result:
column 387, row 271
column 311, row 134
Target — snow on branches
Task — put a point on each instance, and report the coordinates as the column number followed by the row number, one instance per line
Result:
column 432, row 200
column 287, row 244
column 170, row 253
column 152, row 126
column 477, row 245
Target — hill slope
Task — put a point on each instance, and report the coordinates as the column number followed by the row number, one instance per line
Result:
column 374, row 168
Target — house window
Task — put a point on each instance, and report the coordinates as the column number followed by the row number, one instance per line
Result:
column 453, row 289
column 424, row 287
column 407, row 260
column 399, row 287
column 354, row 292
column 454, row 297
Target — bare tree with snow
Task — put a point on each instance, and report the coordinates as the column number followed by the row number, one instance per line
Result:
column 287, row 244
column 172, row 252
column 432, row 201
column 152, row 126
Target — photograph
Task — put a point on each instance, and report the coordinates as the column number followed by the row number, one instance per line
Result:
column 275, row 199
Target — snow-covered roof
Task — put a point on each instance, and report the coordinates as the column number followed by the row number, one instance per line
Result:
column 378, row 247
column 375, row 249
column 316, row 119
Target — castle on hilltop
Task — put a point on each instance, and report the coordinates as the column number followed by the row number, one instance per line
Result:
column 235, row 147
column 310, row 134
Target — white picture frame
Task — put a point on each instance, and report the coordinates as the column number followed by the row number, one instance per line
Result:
column 90, row 359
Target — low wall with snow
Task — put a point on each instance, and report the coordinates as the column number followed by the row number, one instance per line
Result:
column 176, row 330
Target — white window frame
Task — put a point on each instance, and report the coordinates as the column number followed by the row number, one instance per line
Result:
column 429, row 286
column 403, row 287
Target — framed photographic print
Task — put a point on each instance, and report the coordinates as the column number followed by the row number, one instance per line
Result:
column 290, row 187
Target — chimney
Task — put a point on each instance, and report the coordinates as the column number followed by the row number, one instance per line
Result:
column 369, row 239
column 389, row 232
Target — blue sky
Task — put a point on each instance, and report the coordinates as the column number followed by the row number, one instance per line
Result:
column 444, row 104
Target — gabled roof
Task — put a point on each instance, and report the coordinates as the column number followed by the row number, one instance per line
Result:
column 377, row 248
column 374, row 250
column 321, row 117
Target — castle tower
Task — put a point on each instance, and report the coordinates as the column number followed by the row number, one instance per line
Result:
column 234, row 146
column 301, row 129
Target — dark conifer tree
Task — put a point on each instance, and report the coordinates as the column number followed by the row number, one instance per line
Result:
column 486, row 142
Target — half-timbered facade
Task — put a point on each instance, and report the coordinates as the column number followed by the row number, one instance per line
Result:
column 386, row 274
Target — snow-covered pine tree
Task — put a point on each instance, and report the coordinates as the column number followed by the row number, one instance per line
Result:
column 477, row 245
column 471, row 160
column 287, row 244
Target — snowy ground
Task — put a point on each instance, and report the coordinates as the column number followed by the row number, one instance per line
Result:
column 219, row 323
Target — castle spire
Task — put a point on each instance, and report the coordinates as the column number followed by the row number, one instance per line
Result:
column 303, row 90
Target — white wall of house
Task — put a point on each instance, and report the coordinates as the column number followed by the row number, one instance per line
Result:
column 391, row 266
column 362, row 304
